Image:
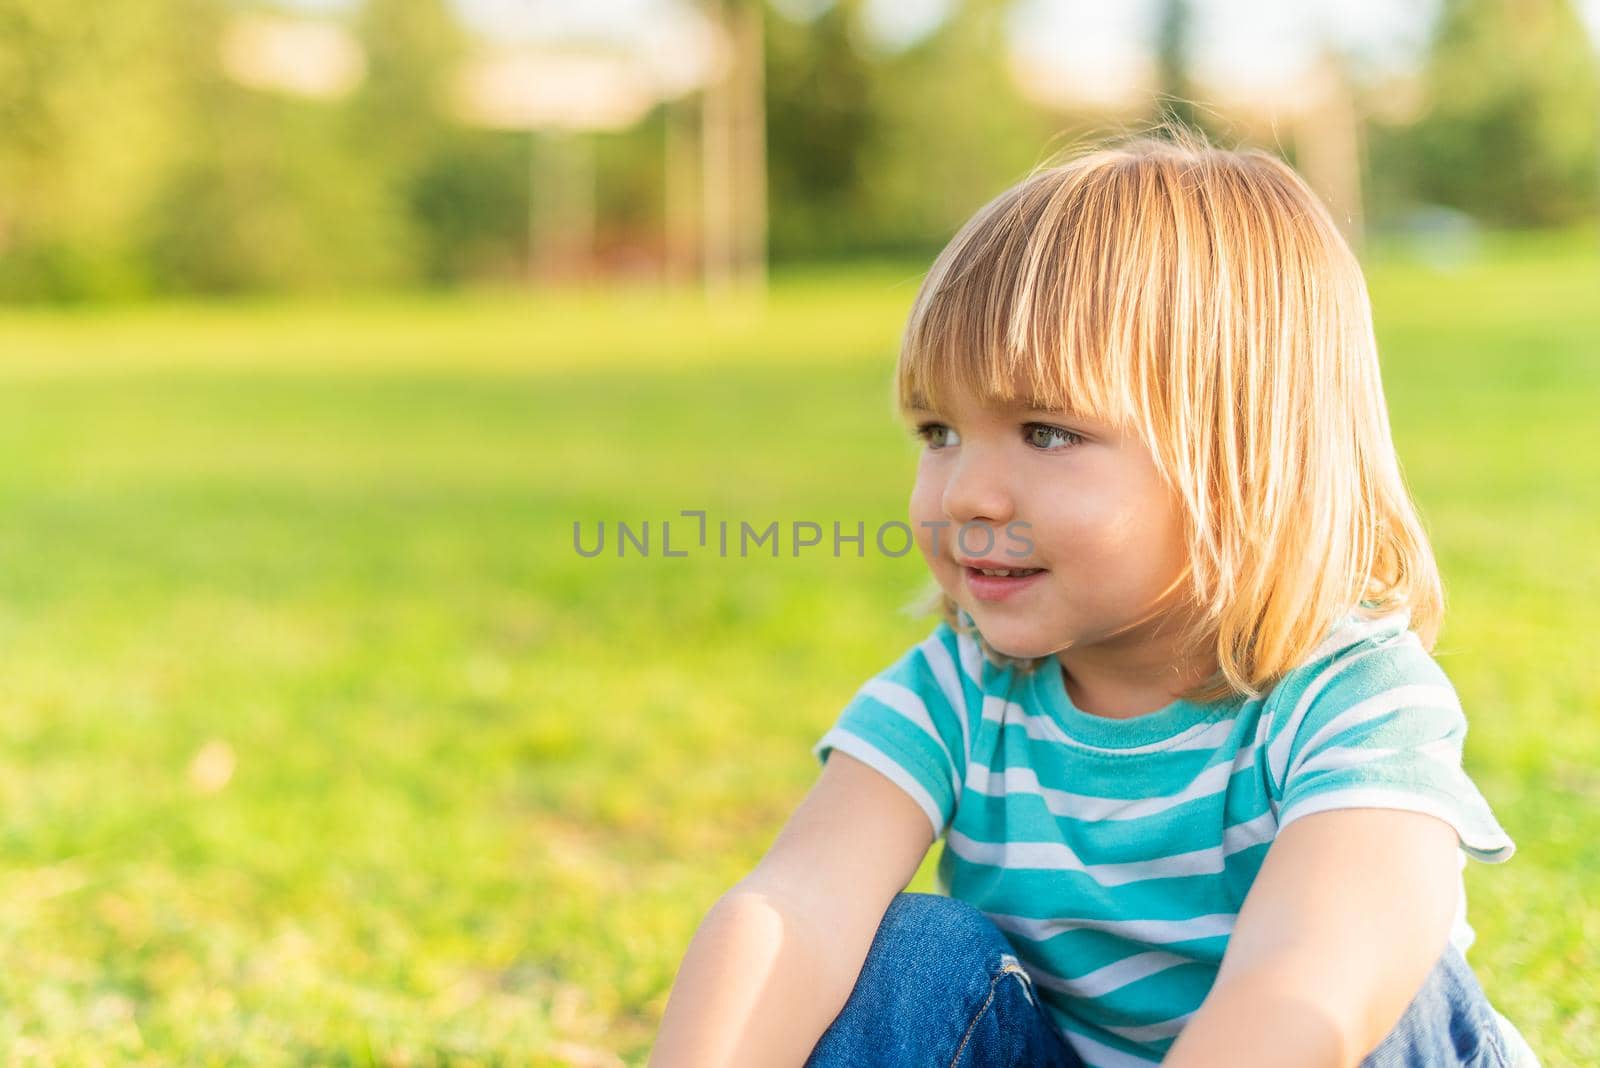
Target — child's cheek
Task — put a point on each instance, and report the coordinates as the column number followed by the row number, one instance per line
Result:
column 926, row 508
column 1067, row 530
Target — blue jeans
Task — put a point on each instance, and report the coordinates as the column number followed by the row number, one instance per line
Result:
column 941, row 987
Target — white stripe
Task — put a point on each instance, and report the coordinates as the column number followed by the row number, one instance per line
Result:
column 1242, row 836
column 1356, row 628
column 906, row 702
column 1091, row 807
column 1149, row 932
column 972, row 665
column 1153, row 1032
column 1278, row 751
column 1057, row 856
column 1096, row 1054
column 1263, row 732
column 1040, row 726
column 1446, row 750
column 971, row 658
column 944, row 672
column 1493, row 847
column 875, row 758
column 1344, row 757
column 1113, row 976
column 1376, row 707
column 1023, row 781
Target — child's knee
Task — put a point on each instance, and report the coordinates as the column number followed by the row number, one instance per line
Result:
column 931, row 941
column 940, row 982
column 933, row 919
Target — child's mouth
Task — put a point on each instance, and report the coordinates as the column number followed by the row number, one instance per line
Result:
column 998, row 583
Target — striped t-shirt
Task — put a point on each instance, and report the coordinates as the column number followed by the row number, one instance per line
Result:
column 1115, row 854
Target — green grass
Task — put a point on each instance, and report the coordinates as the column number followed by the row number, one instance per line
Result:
column 484, row 789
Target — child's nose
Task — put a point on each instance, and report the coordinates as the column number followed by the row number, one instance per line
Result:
column 977, row 490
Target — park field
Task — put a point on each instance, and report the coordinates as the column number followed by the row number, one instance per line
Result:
column 321, row 744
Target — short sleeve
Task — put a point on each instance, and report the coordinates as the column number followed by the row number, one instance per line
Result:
column 909, row 723
column 1381, row 726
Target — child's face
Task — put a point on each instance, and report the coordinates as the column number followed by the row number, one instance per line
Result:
column 1102, row 525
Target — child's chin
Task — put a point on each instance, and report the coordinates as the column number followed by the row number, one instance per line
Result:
column 1018, row 652
column 1016, row 647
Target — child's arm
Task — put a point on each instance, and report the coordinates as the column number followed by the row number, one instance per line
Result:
column 1350, row 911
column 777, row 956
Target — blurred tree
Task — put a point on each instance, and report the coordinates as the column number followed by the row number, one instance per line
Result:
column 631, row 193
column 877, row 151
column 461, row 192
column 821, row 122
column 268, row 190
column 87, row 127
column 733, row 143
column 402, row 109
column 1510, row 134
column 1173, row 90
column 680, row 189
column 268, row 195
column 952, row 131
column 1328, row 129
column 468, row 199
column 278, row 192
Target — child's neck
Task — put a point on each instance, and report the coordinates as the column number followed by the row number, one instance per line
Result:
column 1126, row 681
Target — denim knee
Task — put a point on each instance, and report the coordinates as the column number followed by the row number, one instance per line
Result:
column 941, row 985
column 936, row 938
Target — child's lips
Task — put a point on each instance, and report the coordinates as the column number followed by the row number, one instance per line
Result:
column 988, row 563
column 999, row 587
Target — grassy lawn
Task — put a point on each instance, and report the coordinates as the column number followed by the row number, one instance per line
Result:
column 319, row 743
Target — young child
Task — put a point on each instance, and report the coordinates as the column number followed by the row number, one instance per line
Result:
column 1198, row 776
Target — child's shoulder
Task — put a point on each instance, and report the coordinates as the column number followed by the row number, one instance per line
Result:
column 1372, row 721
column 948, row 661
column 1363, row 654
column 1371, row 677
column 944, row 659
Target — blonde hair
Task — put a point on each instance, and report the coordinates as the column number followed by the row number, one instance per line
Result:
column 1204, row 298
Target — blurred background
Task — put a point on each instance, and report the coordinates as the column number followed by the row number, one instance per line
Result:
column 325, row 326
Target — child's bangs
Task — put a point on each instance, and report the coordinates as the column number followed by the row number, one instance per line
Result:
column 1017, row 310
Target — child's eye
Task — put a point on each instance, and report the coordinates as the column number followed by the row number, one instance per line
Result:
column 937, row 435
column 1042, row 435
